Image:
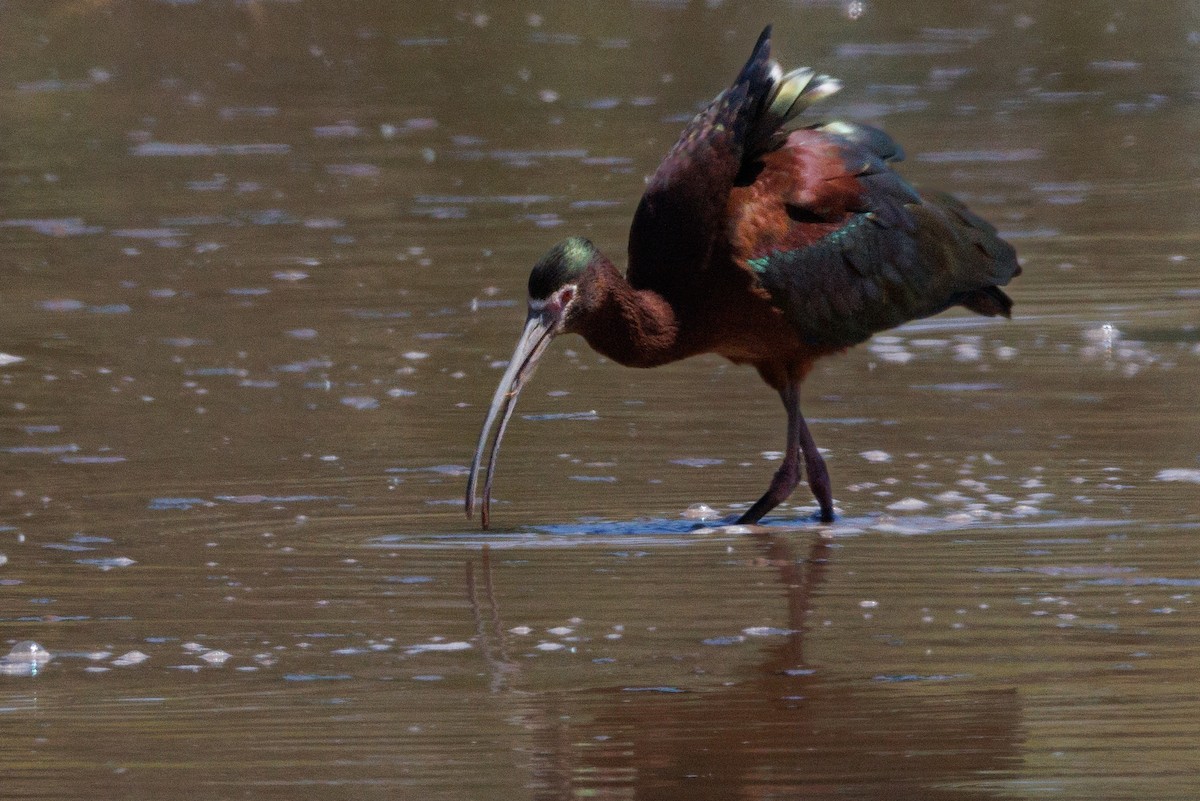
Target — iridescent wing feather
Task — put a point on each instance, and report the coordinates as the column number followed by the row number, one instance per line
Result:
column 845, row 247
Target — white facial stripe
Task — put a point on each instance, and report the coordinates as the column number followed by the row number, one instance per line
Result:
column 538, row 306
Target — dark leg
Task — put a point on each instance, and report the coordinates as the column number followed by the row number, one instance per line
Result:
column 799, row 440
column 818, row 474
column 788, row 475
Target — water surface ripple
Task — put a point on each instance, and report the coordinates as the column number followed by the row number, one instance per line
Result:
column 262, row 264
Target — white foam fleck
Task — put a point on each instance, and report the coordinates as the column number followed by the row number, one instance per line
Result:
column 904, row 529
column 361, row 402
column 108, row 563
column 966, row 352
column 1105, row 334
column 130, row 658
column 876, row 456
column 437, row 646
column 1187, row 474
column 765, row 631
column 550, row 646
column 896, row 356
column 216, row 657
column 908, row 505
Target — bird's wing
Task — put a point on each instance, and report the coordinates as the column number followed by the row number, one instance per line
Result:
column 845, row 247
column 683, row 209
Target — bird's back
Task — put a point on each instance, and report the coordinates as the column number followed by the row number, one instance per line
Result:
column 845, row 247
column 815, row 220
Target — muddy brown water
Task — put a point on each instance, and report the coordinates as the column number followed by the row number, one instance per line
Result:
column 262, row 263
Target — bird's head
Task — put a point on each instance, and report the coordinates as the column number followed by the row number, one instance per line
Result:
column 555, row 283
column 557, row 298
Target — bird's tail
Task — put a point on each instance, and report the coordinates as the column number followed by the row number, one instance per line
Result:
column 784, row 96
column 796, row 91
column 989, row 301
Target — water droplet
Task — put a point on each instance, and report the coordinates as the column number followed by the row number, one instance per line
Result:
column 25, row 659
column 700, row 511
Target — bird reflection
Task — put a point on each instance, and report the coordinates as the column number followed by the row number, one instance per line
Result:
column 789, row 730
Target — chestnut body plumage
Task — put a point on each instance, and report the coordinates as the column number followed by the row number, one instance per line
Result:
column 770, row 246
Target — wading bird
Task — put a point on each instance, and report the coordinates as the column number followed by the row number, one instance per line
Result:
column 770, row 244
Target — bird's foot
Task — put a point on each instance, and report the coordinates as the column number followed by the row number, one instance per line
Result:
column 744, row 519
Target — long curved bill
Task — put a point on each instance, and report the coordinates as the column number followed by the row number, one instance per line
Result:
column 530, row 347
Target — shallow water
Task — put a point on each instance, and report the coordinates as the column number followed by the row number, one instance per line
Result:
column 262, row 265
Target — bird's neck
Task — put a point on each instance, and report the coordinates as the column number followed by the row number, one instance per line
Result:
column 633, row 327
